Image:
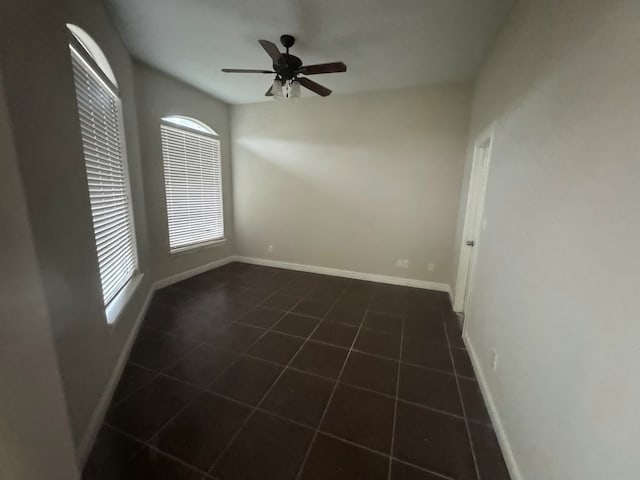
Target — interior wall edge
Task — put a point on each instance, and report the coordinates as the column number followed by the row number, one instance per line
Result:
column 494, row 414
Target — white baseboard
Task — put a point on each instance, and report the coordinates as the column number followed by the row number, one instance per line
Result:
column 95, row 423
column 371, row 277
column 178, row 277
column 503, row 440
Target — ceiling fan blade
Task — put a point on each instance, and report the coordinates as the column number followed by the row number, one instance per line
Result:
column 244, row 70
column 269, row 92
column 314, row 87
column 271, row 49
column 334, row 67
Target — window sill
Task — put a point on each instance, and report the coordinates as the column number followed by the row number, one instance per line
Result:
column 115, row 308
column 198, row 246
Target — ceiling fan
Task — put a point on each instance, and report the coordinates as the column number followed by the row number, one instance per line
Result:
column 288, row 69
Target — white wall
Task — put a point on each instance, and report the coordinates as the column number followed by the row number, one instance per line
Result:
column 558, row 277
column 352, row 182
column 36, row 67
column 35, row 436
column 157, row 96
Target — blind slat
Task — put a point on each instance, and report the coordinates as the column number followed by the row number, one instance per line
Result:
column 99, row 111
column 193, row 183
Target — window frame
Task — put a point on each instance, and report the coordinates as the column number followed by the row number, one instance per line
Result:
column 166, row 121
column 84, row 47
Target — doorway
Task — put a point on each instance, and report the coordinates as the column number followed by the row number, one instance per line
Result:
column 473, row 220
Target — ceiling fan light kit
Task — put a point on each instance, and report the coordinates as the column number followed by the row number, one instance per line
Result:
column 288, row 68
column 289, row 89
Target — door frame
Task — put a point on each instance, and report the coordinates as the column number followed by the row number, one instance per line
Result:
column 476, row 194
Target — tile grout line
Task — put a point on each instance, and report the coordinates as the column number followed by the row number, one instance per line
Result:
column 464, row 410
column 337, row 381
column 156, row 449
column 331, row 395
column 395, row 405
column 201, row 389
column 222, row 372
column 262, row 399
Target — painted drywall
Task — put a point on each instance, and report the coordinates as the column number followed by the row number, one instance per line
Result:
column 352, row 182
column 157, row 96
column 35, row 62
column 32, row 404
column 558, row 275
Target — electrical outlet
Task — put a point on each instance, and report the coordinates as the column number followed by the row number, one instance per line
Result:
column 405, row 263
column 270, row 248
column 494, row 359
column 430, row 267
column 399, row 263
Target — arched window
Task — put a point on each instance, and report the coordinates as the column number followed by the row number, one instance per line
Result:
column 193, row 182
column 101, row 127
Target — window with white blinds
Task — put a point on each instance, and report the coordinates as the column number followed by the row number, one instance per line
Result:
column 193, row 183
column 101, row 127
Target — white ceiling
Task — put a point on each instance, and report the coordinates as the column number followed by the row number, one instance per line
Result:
column 385, row 43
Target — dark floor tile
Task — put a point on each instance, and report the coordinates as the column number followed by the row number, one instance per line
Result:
column 247, row 381
column 151, row 464
column 426, row 330
column 111, row 455
column 324, row 360
column 164, row 317
column 352, row 302
column 146, row 335
column 382, row 322
column 281, row 302
column 133, row 378
column 252, row 296
column 276, row 347
column 325, row 293
column 455, row 335
column 172, row 295
column 488, row 455
column 313, row 308
column 430, row 355
column 430, row 388
column 202, row 365
column 401, row 471
column 261, row 317
column 431, row 315
column 298, row 325
column 474, row 406
column 378, row 344
column 463, row 363
column 267, row 448
column 435, row 441
column 371, row 372
column 335, row 334
column 299, row 396
column 149, row 409
column 361, row 417
column 162, row 353
column 331, row 459
column 297, row 289
column 202, row 327
column 387, row 304
column 236, row 337
column 232, row 309
column 201, row 431
column 346, row 315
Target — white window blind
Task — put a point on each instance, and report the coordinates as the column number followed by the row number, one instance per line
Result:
column 100, row 115
column 193, row 186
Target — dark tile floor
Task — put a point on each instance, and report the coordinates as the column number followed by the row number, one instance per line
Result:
column 254, row 373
